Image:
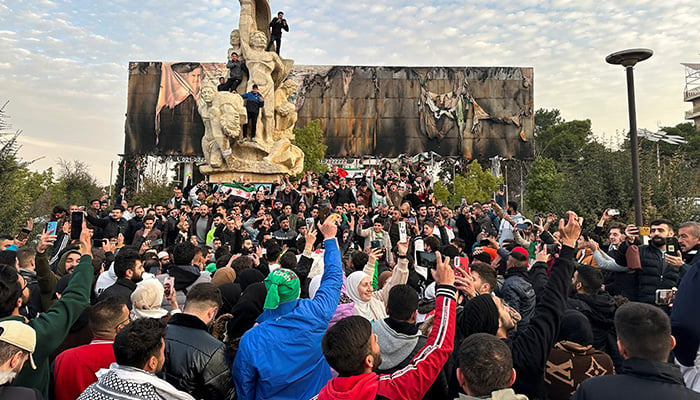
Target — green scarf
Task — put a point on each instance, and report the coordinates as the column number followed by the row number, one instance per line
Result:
column 282, row 286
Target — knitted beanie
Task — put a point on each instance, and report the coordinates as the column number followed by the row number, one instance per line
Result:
column 575, row 327
column 480, row 315
column 282, row 285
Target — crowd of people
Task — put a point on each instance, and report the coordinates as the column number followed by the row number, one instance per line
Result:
column 338, row 287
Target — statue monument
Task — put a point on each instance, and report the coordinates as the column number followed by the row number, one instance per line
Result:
column 223, row 113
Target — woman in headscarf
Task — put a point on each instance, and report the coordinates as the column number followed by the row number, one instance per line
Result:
column 147, row 298
column 245, row 313
column 371, row 304
column 230, row 295
column 249, row 276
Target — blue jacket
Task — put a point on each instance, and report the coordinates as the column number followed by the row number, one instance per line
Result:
column 281, row 358
column 253, row 103
column 517, row 291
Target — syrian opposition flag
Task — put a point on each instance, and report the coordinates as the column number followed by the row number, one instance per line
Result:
column 342, row 173
column 238, row 190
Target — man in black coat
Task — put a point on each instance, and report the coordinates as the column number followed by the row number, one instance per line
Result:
column 645, row 342
column 129, row 271
column 195, row 361
column 112, row 225
column 598, row 306
column 276, row 26
column 658, row 270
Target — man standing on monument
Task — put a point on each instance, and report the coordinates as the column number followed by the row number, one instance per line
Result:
column 276, row 26
column 236, row 68
column 253, row 103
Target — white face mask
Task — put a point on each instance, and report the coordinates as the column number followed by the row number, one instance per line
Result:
column 7, row 377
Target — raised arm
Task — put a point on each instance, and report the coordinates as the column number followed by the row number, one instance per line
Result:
column 413, row 381
column 531, row 347
column 328, row 295
column 53, row 325
column 398, row 277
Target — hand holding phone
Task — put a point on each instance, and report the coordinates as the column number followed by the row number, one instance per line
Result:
column 168, row 285
column 76, row 224
column 51, row 227
column 403, row 233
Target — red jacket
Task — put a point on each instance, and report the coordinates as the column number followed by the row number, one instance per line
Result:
column 75, row 368
column 413, row 381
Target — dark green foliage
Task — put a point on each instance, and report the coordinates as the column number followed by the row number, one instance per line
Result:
column 579, row 173
column 310, row 140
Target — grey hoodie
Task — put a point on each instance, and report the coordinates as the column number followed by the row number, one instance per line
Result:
column 396, row 347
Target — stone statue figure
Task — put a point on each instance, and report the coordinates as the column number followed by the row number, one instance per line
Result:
column 285, row 111
column 211, row 151
column 224, row 113
column 261, row 64
column 235, row 40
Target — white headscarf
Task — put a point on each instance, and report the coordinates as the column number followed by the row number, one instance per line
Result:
column 146, row 300
column 362, row 308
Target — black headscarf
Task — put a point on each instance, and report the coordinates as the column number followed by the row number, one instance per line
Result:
column 230, row 294
column 249, row 276
column 247, row 310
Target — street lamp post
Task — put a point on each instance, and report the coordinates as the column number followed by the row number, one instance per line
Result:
column 628, row 59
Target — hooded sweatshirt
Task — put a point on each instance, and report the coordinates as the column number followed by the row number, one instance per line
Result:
column 396, row 347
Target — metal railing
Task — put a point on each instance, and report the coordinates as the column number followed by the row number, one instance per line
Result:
column 692, row 93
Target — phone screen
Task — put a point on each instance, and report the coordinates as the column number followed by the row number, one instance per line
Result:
column 51, row 227
column 22, row 235
column 168, row 285
column 76, row 224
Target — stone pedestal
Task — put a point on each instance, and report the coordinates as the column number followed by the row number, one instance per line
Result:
column 229, row 176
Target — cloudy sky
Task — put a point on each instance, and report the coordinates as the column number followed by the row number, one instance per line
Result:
column 63, row 64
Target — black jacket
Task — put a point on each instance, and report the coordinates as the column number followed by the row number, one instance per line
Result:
column 467, row 230
column 531, row 348
column 195, row 362
column 121, row 289
column 600, row 310
column 277, row 26
column 656, row 273
column 518, row 292
column 638, row 380
column 111, row 228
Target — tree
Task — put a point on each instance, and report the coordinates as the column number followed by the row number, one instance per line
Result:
column 544, row 186
column 547, row 118
column 476, row 184
column 563, row 141
column 310, row 140
column 75, row 184
column 14, row 197
column 154, row 189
